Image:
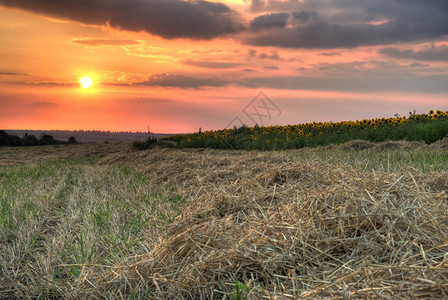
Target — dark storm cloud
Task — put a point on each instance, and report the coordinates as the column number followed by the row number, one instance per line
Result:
column 104, row 42
column 353, row 23
column 325, row 35
column 303, row 17
column 182, row 81
column 433, row 53
column 167, row 18
column 274, row 20
column 349, row 5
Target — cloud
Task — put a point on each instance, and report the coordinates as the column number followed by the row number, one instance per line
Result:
column 12, row 74
column 330, row 24
column 274, row 55
column 325, row 35
column 323, row 24
column 252, row 52
column 182, row 81
column 435, row 84
column 274, row 20
column 333, row 5
column 197, row 20
column 303, row 17
column 271, row 68
column 356, row 76
column 433, row 53
column 257, row 5
column 365, row 69
column 104, row 42
column 44, row 104
column 211, row 64
column 146, row 100
column 330, row 54
column 51, row 83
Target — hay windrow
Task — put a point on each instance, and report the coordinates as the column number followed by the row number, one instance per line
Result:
column 290, row 229
column 323, row 223
column 441, row 144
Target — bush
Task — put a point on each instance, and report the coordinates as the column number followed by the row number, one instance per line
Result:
column 72, row 140
column 149, row 144
column 3, row 138
column 47, row 140
column 14, row 141
column 30, row 140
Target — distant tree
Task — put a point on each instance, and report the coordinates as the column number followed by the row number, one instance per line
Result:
column 30, row 140
column 47, row 140
column 3, row 138
column 72, row 140
column 14, row 141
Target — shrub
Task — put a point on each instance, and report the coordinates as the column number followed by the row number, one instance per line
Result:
column 72, row 140
column 3, row 138
column 14, row 141
column 30, row 140
column 148, row 144
column 47, row 140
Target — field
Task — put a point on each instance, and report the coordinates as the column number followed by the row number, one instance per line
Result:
column 429, row 128
column 88, row 136
column 355, row 221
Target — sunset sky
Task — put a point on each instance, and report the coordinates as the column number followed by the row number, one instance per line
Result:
column 180, row 65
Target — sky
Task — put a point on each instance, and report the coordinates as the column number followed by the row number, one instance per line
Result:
column 177, row 66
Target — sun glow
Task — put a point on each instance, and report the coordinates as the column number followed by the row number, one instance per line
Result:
column 86, row 82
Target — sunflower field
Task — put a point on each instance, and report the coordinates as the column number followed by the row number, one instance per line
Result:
column 429, row 128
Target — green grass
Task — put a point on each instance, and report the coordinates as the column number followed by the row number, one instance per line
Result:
column 61, row 216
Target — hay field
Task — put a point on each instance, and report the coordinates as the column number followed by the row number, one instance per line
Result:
column 356, row 221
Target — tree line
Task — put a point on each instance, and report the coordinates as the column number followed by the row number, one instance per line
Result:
column 31, row 140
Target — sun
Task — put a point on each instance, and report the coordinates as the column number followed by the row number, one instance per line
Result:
column 86, row 82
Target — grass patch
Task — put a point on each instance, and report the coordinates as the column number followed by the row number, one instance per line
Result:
column 60, row 216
